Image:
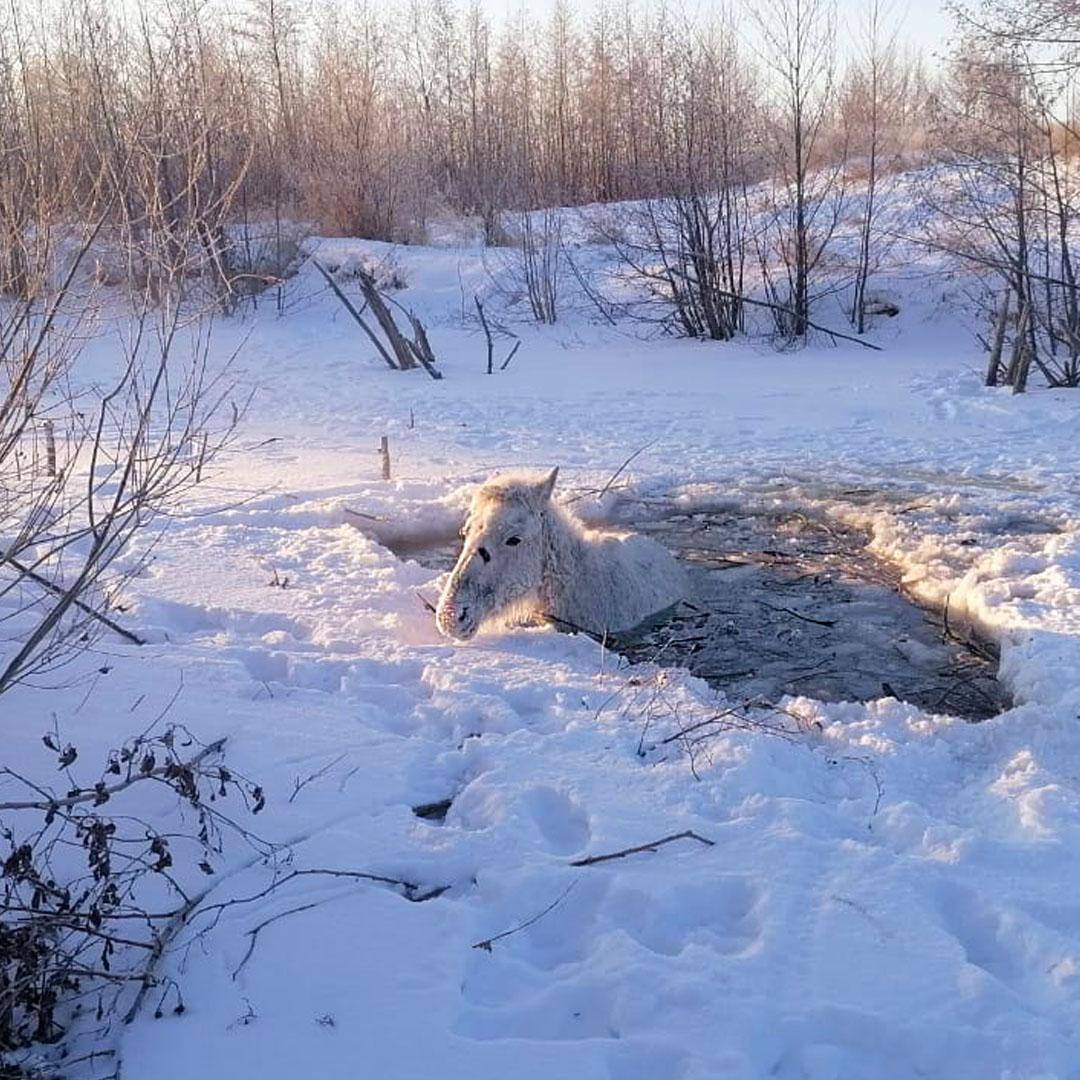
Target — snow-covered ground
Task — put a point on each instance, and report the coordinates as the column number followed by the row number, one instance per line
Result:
column 886, row 894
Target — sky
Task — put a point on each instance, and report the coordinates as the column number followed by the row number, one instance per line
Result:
column 923, row 24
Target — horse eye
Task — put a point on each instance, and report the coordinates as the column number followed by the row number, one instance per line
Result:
column 513, row 541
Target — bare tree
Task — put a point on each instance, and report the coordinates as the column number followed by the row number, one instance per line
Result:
column 872, row 90
column 799, row 49
column 85, row 465
column 687, row 244
column 537, row 262
column 1010, row 209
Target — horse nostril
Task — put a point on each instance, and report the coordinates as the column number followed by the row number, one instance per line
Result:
column 464, row 614
column 484, row 554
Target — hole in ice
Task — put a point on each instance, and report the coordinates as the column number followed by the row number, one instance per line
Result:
column 791, row 604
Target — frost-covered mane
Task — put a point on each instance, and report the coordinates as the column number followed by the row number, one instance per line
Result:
column 526, row 558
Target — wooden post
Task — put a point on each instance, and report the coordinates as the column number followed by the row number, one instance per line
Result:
column 993, row 367
column 487, row 335
column 1017, row 360
column 384, row 453
column 1022, row 369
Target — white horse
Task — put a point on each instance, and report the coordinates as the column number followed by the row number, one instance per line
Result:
column 526, row 559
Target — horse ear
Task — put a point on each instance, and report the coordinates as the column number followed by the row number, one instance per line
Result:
column 547, row 485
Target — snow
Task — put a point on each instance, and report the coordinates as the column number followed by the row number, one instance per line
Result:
column 887, row 893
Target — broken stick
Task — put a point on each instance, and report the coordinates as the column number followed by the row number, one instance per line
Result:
column 689, row 834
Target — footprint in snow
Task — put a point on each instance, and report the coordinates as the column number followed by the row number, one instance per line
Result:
column 721, row 913
column 562, row 821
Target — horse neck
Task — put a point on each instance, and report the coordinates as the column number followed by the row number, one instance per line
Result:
column 565, row 551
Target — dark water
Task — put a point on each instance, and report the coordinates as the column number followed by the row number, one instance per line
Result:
column 790, row 604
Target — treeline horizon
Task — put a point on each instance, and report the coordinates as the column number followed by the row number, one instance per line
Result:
column 368, row 121
column 171, row 123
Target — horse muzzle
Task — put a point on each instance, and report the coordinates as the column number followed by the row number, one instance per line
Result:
column 456, row 619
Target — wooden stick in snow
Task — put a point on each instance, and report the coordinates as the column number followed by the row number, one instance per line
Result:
column 487, row 335
column 488, row 942
column 418, row 345
column 356, row 315
column 384, row 453
column 1018, row 344
column 50, row 449
column 86, row 609
column 688, row 834
column 406, row 356
column 510, row 356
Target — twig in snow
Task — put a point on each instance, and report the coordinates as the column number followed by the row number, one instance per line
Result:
column 299, row 785
column 983, row 650
column 688, row 834
column 487, row 335
column 564, row 624
column 488, row 942
column 615, row 475
column 736, row 713
column 193, row 909
column 510, row 355
column 359, row 514
column 618, row 472
column 255, row 931
column 879, row 787
column 799, row 615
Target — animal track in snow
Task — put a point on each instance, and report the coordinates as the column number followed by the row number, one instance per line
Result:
column 721, row 913
column 562, row 822
column 176, row 618
column 1028, row 957
column 641, row 1059
column 582, row 1009
column 299, row 672
column 982, row 931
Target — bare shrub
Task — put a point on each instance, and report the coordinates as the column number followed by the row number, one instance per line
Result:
column 530, row 269
column 266, row 255
column 88, row 890
column 119, row 454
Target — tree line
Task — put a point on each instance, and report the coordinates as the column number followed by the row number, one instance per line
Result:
column 172, row 122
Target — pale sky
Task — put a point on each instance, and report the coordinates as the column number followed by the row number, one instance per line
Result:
column 922, row 23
